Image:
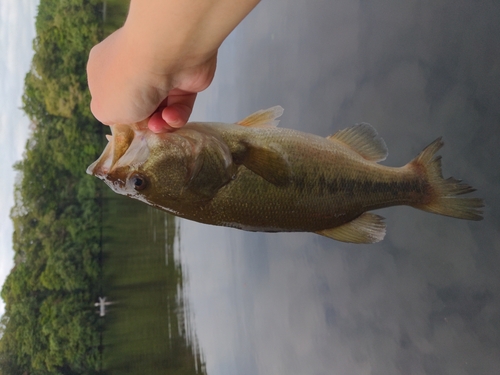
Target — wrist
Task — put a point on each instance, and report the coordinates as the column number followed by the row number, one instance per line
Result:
column 180, row 33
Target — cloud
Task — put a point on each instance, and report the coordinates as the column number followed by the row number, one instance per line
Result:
column 16, row 35
column 424, row 300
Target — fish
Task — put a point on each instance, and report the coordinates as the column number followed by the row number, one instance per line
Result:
column 255, row 176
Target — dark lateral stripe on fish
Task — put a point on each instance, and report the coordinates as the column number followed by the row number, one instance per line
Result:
column 416, row 187
column 260, row 178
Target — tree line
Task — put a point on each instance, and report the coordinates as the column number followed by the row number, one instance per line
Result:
column 50, row 325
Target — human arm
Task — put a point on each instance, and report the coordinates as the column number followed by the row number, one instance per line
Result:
column 165, row 54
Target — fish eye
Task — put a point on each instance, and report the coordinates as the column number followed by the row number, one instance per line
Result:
column 138, row 181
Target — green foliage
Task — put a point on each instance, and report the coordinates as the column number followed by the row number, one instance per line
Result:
column 66, row 30
column 50, row 325
column 148, row 329
column 114, row 13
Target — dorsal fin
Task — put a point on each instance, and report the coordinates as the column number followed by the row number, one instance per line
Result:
column 366, row 228
column 363, row 139
column 265, row 118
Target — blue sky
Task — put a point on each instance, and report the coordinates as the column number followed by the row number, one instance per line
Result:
column 17, row 30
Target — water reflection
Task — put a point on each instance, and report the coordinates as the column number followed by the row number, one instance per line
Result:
column 425, row 300
column 147, row 327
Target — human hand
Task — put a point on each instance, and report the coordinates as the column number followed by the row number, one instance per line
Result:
column 174, row 111
column 153, row 67
column 128, row 86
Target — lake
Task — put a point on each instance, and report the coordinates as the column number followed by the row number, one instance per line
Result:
column 203, row 299
column 146, row 328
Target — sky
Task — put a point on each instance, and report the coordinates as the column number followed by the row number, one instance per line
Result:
column 424, row 300
column 17, row 30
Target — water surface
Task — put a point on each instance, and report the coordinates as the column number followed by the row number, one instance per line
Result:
column 146, row 326
column 426, row 299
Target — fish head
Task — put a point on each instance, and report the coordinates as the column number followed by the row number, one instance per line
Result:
column 143, row 165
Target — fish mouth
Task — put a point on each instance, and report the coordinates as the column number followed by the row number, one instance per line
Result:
column 116, row 179
column 101, row 166
column 126, row 149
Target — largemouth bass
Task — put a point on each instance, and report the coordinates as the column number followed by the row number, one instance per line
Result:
column 254, row 176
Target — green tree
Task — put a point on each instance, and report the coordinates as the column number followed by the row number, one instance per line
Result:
column 49, row 325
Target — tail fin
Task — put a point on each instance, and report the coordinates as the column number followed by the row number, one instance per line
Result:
column 443, row 193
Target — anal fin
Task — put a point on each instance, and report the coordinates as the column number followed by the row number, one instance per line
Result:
column 363, row 139
column 366, row 228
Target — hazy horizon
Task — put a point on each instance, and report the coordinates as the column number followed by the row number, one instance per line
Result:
column 17, row 30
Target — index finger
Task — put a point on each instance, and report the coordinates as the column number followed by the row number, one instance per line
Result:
column 174, row 114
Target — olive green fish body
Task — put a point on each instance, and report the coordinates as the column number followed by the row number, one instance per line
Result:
column 325, row 185
column 255, row 176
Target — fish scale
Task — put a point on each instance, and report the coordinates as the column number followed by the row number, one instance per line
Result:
column 254, row 176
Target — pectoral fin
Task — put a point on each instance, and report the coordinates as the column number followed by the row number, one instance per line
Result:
column 367, row 228
column 269, row 163
column 265, row 118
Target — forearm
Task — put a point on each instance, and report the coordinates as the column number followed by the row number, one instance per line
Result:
column 164, row 45
column 171, row 30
